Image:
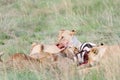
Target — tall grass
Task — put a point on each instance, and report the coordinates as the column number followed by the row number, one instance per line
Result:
column 23, row 22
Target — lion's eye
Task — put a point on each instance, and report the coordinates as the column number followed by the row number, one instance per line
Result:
column 62, row 37
column 95, row 52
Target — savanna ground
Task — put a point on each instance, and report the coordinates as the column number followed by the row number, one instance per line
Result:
column 23, row 22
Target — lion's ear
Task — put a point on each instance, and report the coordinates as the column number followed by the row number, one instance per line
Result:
column 61, row 31
column 101, row 44
column 42, row 47
column 72, row 32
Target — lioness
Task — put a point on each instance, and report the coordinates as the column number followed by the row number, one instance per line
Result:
column 103, row 53
column 68, row 38
column 70, row 42
column 40, row 51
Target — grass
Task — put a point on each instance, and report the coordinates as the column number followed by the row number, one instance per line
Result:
column 23, row 22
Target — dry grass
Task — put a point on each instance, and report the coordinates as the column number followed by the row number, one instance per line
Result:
column 23, row 22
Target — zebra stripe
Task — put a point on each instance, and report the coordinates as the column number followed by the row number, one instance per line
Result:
column 84, row 48
column 88, row 45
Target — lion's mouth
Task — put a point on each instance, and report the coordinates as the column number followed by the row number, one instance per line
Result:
column 60, row 46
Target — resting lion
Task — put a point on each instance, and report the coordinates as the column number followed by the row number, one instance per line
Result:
column 40, row 51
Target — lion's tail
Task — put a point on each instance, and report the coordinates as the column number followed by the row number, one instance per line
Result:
column 1, row 53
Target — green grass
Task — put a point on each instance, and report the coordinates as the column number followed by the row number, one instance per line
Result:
column 23, row 22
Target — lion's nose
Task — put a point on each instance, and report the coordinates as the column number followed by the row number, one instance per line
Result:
column 57, row 44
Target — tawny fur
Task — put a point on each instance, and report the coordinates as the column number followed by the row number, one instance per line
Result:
column 98, row 54
column 39, row 51
column 69, row 40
